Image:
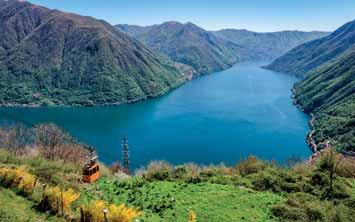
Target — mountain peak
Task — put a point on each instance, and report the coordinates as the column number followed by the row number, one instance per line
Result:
column 172, row 23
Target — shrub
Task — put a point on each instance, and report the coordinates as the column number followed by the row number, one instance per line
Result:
column 57, row 200
column 55, row 173
column 287, row 213
column 346, row 168
column 179, row 172
column 223, row 170
column 158, row 170
column 28, row 182
column 299, row 207
column 206, row 173
column 342, row 189
column 250, row 165
column 192, row 217
column 121, row 213
column 18, row 178
column 302, row 170
column 115, row 168
column 192, row 173
column 307, row 208
column 319, row 179
column 94, row 212
column 266, row 181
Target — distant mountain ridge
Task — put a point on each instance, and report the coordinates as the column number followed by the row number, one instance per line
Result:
column 268, row 45
column 258, row 46
column 189, row 44
column 310, row 55
column 48, row 57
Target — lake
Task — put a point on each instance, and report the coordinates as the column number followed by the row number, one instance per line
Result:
column 222, row 117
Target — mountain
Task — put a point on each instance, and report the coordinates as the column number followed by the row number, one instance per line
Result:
column 268, row 45
column 328, row 89
column 329, row 93
column 49, row 57
column 310, row 55
column 189, row 44
column 134, row 30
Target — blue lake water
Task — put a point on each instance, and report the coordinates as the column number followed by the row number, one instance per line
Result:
column 222, row 117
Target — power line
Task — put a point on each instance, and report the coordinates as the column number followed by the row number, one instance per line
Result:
column 125, row 154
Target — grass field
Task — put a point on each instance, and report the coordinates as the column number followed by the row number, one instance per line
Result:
column 174, row 200
column 252, row 191
column 14, row 208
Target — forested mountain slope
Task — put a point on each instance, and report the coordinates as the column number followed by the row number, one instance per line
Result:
column 310, row 55
column 48, row 57
column 191, row 45
column 329, row 93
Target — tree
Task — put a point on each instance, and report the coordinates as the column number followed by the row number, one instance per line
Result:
column 50, row 139
column 330, row 162
column 16, row 139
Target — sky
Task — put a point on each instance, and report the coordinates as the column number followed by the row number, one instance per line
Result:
column 255, row 15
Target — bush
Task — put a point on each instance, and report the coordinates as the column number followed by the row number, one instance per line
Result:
column 94, row 212
column 346, row 168
column 287, row 213
column 192, row 217
column 121, row 213
column 298, row 207
column 266, row 181
column 57, row 200
column 250, row 165
column 179, row 172
column 18, row 178
column 193, row 173
column 342, row 189
column 308, row 208
column 158, row 170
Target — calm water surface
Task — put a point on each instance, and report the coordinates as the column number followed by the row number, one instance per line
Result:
column 221, row 117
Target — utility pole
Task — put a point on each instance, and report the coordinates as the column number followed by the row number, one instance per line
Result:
column 125, row 155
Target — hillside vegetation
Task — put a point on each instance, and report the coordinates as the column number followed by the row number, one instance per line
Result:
column 48, row 57
column 328, row 89
column 15, row 208
column 268, row 45
column 329, row 93
column 252, row 190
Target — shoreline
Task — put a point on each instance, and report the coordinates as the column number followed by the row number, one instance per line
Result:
column 309, row 138
column 313, row 146
column 316, row 149
column 181, row 82
column 187, row 77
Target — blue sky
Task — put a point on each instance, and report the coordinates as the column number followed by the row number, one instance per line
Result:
column 256, row 15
